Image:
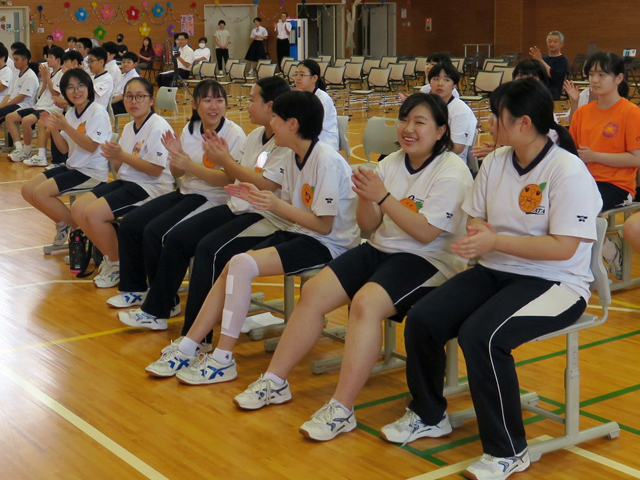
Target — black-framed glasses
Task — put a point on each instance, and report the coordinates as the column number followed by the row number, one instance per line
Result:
column 138, row 98
column 81, row 87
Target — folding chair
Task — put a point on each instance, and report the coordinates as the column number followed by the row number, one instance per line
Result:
column 508, row 72
column 378, row 82
column 341, row 62
column 485, row 83
column 343, row 123
column 326, row 58
column 357, row 58
column 627, row 252
column 166, row 100
column 353, row 74
column 385, row 61
column 336, row 86
column 571, row 420
column 458, row 62
column 380, row 136
column 409, row 71
column 236, row 77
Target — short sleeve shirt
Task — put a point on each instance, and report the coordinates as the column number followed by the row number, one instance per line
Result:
column 24, row 84
column 103, row 87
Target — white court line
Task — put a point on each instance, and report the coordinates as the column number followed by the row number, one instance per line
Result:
column 21, row 249
column 15, row 209
column 594, row 457
column 48, row 282
column 12, row 181
column 84, row 427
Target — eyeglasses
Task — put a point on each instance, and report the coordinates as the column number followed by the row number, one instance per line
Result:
column 139, row 98
column 81, row 87
column 302, row 75
column 91, row 60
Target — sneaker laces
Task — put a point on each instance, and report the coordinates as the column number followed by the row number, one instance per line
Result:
column 202, row 361
column 260, row 384
column 104, row 266
column 325, row 414
column 408, row 419
column 170, row 351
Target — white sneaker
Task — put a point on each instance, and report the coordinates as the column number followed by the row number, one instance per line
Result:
column 19, row 155
column 615, row 266
column 35, row 161
column 207, row 370
column 497, row 468
column 108, row 274
column 138, row 318
column 170, row 362
column 410, row 427
column 62, row 234
column 127, row 299
column 328, row 422
column 201, row 348
column 263, row 392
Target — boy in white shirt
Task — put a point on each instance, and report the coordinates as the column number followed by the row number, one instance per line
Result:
column 24, row 86
column 184, row 61
column 29, row 116
column 283, row 30
column 129, row 64
column 71, row 44
column 83, row 46
column 6, row 72
column 202, row 53
column 110, row 65
column 102, row 81
column 222, row 38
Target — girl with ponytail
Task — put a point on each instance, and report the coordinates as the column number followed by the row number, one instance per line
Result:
column 532, row 220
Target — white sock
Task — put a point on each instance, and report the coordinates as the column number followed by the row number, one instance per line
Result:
column 337, row 403
column 18, row 145
column 117, row 264
column 242, row 270
column 274, row 378
column 608, row 250
column 60, row 224
column 222, row 356
column 42, row 152
column 188, row 347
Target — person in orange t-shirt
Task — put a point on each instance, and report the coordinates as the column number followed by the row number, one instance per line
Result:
column 607, row 134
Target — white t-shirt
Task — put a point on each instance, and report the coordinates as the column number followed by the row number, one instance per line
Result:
column 284, row 28
column 187, row 54
column 322, row 186
column 11, row 64
column 95, row 124
column 114, row 70
column 146, row 144
column 103, row 87
column 427, row 89
column 436, row 192
column 223, row 37
column 45, row 102
column 118, row 88
column 85, row 65
column 259, row 31
column 202, row 52
column 584, row 97
column 266, row 158
column 557, row 196
column 6, row 74
column 26, row 84
column 192, row 145
column 462, row 123
column 329, row 134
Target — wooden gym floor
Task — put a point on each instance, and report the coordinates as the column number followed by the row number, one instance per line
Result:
column 77, row 404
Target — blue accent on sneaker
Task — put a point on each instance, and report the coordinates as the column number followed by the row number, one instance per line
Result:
column 214, row 371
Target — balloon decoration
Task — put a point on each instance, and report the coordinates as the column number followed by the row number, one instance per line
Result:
column 157, row 10
column 81, row 14
column 133, row 13
column 158, row 49
column 106, row 12
column 144, row 30
column 99, row 33
column 57, row 35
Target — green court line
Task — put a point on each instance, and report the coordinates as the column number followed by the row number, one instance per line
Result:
column 608, row 396
column 626, row 428
column 381, row 400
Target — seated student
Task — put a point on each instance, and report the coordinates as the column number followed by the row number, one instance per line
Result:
column 212, row 237
column 23, row 90
column 202, row 53
column 432, row 61
column 579, row 98
column 28, row 117
column 6, row 72
column 79, row 132
column 556, row 64
column 143, row 169
column 142, row 232
column 102, row 80
column 607, row 133
column 16, row 46
column 184, row 61
column 111, row 65
column 532, row 220
column 83, row 46
column 129, row 64
column 71, row 44
column 319, row 206
column 412, row 205
column 443, row 78
column 309, row 79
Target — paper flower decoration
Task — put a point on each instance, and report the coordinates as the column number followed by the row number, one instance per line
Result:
column 40, row 8
column 57, row 35
column 133, row 13
column 67, row 5
column 169, row 5
column 144, row 30
column 193, row 5
column 99, row 33
column 94, row 4
column 158, row 50
column 106, row 12
column 255, row 2
column 171, row 29
column 81, row 14
column 157, row 10
column 217, row 2
column 144, row 4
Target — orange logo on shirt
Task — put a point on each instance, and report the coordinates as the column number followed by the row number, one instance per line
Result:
column 307, row 195
column 82, row 128
column 137, row 149
column 610, row 130
column 411, row 204
column 531, row 196
column 207, row 163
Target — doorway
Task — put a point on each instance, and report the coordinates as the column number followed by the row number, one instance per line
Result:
column 326, row 29
column 239, row 20
column 378, row 29
column 14, row 18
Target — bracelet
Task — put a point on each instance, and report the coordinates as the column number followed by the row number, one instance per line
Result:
column 384, row 198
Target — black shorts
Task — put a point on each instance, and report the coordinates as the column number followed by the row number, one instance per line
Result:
column 401, row 275
column 25, row 112
column 613, row 196
column 298, row 252
column 122, row 196
column 70, row 181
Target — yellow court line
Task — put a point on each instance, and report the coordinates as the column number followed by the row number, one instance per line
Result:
column 84, row 426
column 594, row 457
column 625, row 304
